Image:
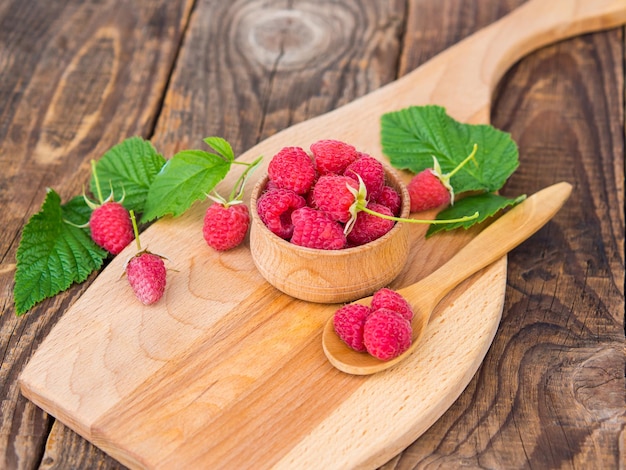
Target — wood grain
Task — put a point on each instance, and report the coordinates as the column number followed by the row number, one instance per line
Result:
column 564, row 312
column 76, row 78
column 143, row 354
column 257, row 67
column 364, row 58
column 501, row 415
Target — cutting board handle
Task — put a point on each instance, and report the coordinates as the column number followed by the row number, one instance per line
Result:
column 539, row 22
column 470, row 70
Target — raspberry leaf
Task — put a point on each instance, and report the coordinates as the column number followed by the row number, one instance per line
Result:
column 77, row 212
column 221, row 146
column 187, row 177
column 412, row 136
column 486, row 204
column 53, row 253
column 129, row 168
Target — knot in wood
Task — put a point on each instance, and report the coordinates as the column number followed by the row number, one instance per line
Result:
column 288, row 39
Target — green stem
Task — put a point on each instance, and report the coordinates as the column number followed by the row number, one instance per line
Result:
column 420, row 221
column 445, row 177
column 360, row 204
column 462, row 164
column 237, row 191
column 135, row 229
column 95, row 177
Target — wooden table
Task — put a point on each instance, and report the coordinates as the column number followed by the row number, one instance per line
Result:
column 78, row 77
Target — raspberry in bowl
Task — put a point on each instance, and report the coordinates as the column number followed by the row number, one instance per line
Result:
column 299, row 243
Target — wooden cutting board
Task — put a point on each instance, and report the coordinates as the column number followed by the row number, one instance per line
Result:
column 227, row 372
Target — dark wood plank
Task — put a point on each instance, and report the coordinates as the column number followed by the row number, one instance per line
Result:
column 558, row 401
column 75, row 78
column 253, row 68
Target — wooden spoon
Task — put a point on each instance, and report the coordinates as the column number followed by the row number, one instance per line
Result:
column 489, row 245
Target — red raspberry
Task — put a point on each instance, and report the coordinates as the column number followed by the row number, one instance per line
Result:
column 371, row 172
column 390, row 299
column 293, row 169
column 225, row 227
column 333, row 156
column 275, row 207
column 331, row 195
column 147, row 276
column 389, row 197
column 314, row 229
column 310, row 200
column 427, row 192
column 368, row 227
column 348, row 322
column 111, row 227
column 271, row 185
column 386, row 334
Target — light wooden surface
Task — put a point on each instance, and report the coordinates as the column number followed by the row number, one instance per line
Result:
column 563, row 325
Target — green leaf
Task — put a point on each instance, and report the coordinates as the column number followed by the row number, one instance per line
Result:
column 412, row 136
column 129, row 168
column 187, row 177
column 52, row 254
column 487, row 205
column 221, row 146
column 77, row 212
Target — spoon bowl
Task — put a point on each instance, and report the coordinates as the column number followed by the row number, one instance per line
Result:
column 497, row 239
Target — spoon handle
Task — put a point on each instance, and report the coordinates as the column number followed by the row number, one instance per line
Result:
column 495, row 241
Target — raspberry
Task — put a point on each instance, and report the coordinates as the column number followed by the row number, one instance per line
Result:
column 348, row 322
column 390, row 299
column 389, row 197
column 314, row 229
column 310, row 200
column 368, row 227
column 111, row 227
column 331, row 195
column 371, row 172
column 147, row 276
column 427, row 191
column 225, row 227
column 271, row 185
column 332, row 156
column 386, row 334
column 293, row 169
column 275, row 207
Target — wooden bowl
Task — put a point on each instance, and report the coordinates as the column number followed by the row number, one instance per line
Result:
column 330, row 276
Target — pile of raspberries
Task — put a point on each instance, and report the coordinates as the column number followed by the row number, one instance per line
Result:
column 307, row 199
column 382, row 329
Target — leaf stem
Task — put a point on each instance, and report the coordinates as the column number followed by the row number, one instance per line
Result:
column 237, row 192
